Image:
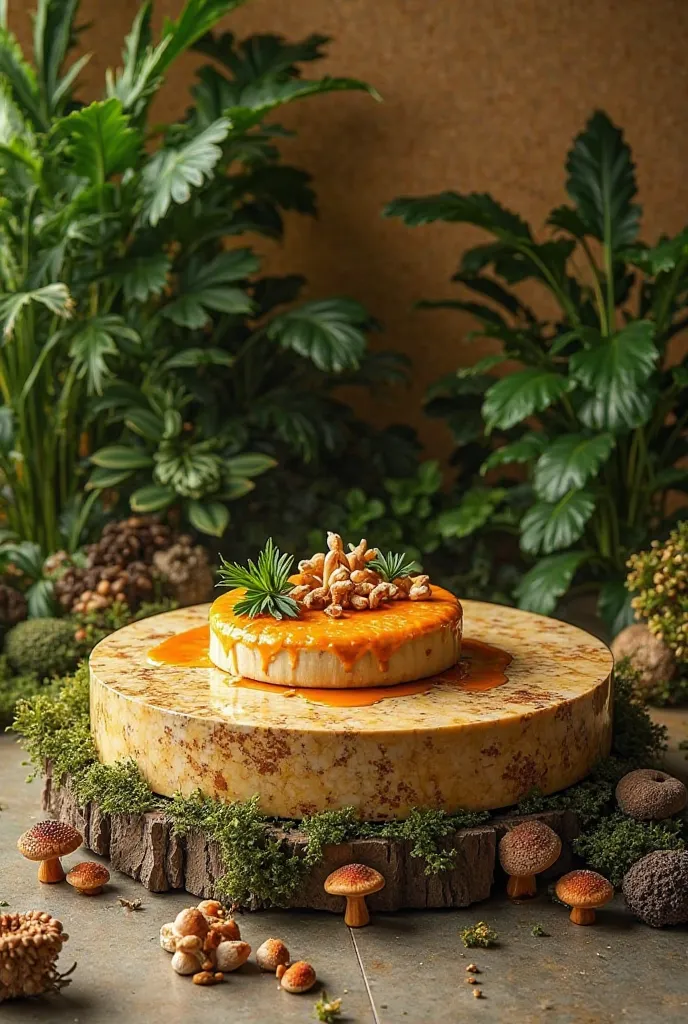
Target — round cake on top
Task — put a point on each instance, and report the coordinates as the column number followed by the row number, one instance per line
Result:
column 352, row 618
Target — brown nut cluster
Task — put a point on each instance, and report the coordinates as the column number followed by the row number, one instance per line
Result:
column 29, row 946
column 336, row 580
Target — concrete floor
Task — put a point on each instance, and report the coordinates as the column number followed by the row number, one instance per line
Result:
column 403, row 968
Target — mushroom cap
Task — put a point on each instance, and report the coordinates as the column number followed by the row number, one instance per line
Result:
column 656, row 888
column 48, row 839
column 300, row 977
column 231, row 954
column 88, row 875
column 354, row 880
column 529, row 848
column 647, row 794
column 271, row 954
column 191, row 921
column 584, row 889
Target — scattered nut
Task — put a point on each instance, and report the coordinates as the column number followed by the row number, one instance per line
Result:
column 478, row 993
column 471, row 981
column 185, row 963
column 204, row 978
column 231, row 954
column 191, row 922
column 335, row 611
column 359, row 602
column 272, row 954
column 168, row 937
column 473, row 969
column 190, row 944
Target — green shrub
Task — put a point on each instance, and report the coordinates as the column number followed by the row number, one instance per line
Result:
column 659, row 579
column 42, row 647
column 616, row 843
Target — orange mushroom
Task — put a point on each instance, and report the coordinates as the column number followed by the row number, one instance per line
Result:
column 355, row 882
column 88, row 877
column 525, row 851
column 584, row 891
column 47, row 841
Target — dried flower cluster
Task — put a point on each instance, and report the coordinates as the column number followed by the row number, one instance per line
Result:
column 659, row 578
column 29, row 946
column 336, row 580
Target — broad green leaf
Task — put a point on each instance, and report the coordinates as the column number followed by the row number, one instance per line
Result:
column 211, row 517
column 91, row 345
column 543, row 585
column 173, row 172
column 526, row 449
column 121, row 457
column 260, row 56
column 204, row 288
column 602, row 183
column 475, row 208
column 565, row 218
column 473, row 512
column 483, row 365
column 260, row 97
column 102, row 478
column 99, row 141
column 21, row 80
column 568, row 463
column 616, row 371
column 27, row 556
column 145, row 423
column 614, row 606
column 55, row 297
column 142, row 276
column 519, row 395
column 551, row 526
column 329, row 332
column 236, row 487
column 53, row 35
column 152, row 498
column 661, row 258
column 40, row 598
column 249, row 464
column 200, row 357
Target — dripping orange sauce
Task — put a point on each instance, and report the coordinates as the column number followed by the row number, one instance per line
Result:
column 481, row 667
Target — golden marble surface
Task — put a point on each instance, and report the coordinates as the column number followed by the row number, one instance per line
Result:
column 447, row 748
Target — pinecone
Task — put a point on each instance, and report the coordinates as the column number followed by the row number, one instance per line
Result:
column 29, row 946
column 13, row 607
column 185, row 568
column 128, row 540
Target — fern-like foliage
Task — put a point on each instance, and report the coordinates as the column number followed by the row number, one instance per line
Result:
column 266, row 584
column 392, row 566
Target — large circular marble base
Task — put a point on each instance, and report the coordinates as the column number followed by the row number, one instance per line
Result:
column 447, row 748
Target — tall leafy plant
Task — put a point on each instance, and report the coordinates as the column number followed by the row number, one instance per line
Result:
column 139, row 343
column 587, row 401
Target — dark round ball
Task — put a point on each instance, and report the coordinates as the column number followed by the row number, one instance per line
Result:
column 650, row 795
column 656, row 888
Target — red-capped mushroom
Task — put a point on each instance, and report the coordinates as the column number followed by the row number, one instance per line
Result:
column 47, row 841
column 355, row 882
column 525, row 851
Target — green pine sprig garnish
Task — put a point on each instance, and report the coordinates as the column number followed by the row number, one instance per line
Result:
column 391, row 566
column 266, row 583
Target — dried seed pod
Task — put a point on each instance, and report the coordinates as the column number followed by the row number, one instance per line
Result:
column 341, row 592
column 314, row 565
column 366, row 576
column 359, row 602
column 339, row 575
column 304, row 579
column 335, row 611
column 356, row 556
column 298, row 593
column 364, row 589
column 317, row 599
column 420, row 593
column 382, row 592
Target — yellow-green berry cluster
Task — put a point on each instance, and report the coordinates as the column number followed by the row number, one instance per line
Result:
column 659, row 579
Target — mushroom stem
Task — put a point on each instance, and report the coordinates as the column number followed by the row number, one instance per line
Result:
column 521, row 886
column 51, row 871
column 582, row 915
column 89, row 892
column 356, row 914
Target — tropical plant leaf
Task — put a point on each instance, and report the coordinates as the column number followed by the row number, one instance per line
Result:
column 259, row 98
column 55, row 297
column 260, row 56
column 329, row 332
column 474, row 511
column 285, row 186
column 483, row 365
column 568, row 463
column 122, row 457
column 208, row 517
column 614, row 606
column 142, row 276
column 660, row 258
column 198, row 357
column 40, row 599
column 565, row 218
column 145, row 423
column 602, row 183
column 205, row 287
column 53, row 34
column 543, row 585
column 475, row 208
column 170, row 175
column 514, row 398
column 104, row 478
column 93, row 343
column 152, row 498
column 552, row 526
column 21, row 79
column 99, row 140
column 526, row 449
column 249, row 464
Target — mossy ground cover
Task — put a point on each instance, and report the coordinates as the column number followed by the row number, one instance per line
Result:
column 54, row 726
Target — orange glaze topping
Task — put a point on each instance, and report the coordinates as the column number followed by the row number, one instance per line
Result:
column 382, row 631
column 187, row 650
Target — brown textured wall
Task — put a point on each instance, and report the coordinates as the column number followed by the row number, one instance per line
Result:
column 483, row 96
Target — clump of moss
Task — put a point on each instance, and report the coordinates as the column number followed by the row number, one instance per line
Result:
column 659, row 578
column 479, row 935
column 259, row 868
column 117, row 788
column 328, row 829
column 617, row 842
column 426, row 830
column 42, row 647
column 636, row 739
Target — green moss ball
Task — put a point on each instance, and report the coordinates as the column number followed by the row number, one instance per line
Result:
column 45, row 647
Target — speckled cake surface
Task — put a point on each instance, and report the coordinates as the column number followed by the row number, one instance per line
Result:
column 449, row 747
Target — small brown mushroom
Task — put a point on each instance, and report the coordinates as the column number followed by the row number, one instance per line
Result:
column 211, row 909
column 584, row 891
column 647, row 794
column 300, row 977
column 271, row 954
column 47, row 841
column 88, row 877
column 191, row 922
column 231, row 954
column 355, row 881
column 185, row 963
column 524, row 852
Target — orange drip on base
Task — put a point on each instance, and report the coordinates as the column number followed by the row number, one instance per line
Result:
column 481, row 667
